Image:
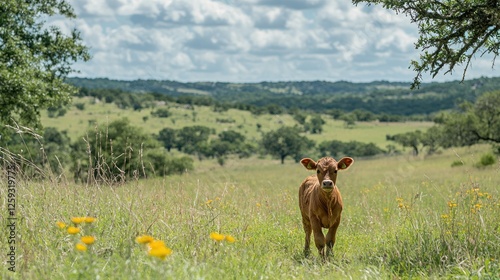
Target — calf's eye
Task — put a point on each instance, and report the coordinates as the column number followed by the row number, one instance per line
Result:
column 317, row 171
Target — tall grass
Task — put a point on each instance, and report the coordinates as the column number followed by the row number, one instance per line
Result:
column 403, row 218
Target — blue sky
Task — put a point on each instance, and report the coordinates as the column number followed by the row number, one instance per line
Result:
column 248, row 41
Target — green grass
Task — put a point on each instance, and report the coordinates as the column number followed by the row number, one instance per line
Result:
column 404, row 217
column 76, row 122
column 397, row 223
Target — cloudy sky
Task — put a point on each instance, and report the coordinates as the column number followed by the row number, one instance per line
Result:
column 247, row 41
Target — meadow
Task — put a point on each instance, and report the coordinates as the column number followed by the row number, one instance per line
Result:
column 75, row 122
column 404, row 218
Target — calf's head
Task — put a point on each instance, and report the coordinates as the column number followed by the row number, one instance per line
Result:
column 327, row 169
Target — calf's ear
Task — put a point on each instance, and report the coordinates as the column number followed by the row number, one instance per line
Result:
column 345, row 162
column 308, row 163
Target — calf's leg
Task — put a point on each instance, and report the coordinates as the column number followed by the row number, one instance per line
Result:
column 307, row 229
column 330, row 236
column 319, row 238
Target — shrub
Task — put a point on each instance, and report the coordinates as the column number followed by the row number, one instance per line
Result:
column 162, row 165
column 486, row 160
column 54, row 112
column 339, row 149
column 80, row 106
column 119, row 151
column 496, row 150
column 161, row 113
column 457, row 163
column 36, row 155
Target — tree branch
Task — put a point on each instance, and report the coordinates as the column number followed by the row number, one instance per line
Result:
column 485, row 138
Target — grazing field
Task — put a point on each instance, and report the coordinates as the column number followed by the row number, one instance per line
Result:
column 76, row 122
column 404, row 217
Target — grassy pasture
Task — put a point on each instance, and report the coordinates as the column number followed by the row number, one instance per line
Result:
column 404, row 217
column 76, row 122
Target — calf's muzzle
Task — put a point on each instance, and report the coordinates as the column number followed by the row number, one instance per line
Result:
column 327, row 184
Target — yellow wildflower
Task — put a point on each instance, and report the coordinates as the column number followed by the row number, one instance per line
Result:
column 89, row 220
column 160, row 252
column 81, row 247
column 217, row 236
column 445, row 216
column 476, row 208
column 73, row 230
column 77, row 220
column 156, row 244
column 88, row 240
column 61, row 225
column 230, row 239
column 452, row 204
column 143, row 239
column 157, row 248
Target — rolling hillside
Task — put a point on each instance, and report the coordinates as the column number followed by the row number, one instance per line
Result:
column 321, row 96
column 76, row 122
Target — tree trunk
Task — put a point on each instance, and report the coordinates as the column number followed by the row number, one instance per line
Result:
column 415, row 150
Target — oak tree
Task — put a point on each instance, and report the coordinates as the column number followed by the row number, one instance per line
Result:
column 474, row 123
column 285, row 141
column 34, row 59
column 451, row 32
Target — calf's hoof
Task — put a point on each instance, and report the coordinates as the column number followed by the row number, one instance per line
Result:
column 307, row 252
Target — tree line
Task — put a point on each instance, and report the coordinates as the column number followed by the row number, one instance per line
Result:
column 343, row 109
column 379, row 98
column 471, row 124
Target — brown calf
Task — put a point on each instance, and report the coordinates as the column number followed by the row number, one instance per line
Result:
column 320, row 202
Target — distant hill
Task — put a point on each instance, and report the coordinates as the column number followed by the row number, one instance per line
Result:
column 377, row 97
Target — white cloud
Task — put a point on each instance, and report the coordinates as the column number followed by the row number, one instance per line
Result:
column 92, row 8
column 245, row 40
column 293, row 4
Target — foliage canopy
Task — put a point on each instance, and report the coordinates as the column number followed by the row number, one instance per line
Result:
column 451, row 32
column 474, row 123
column 478, row 122
column 35, row 59
column 285, row 141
